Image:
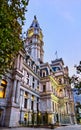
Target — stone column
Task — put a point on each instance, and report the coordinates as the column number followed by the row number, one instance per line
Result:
column 21, row 62
column 38, row 52
column 18, row 92
column 71, row 119
column 68, row 108
column 69, row 112
column 41, row 55
column 35, row 102
column 14, row 90
column 32, row 51
column 35, row 52
column 75, row 121
column 18, row 62
column 28, row 104
column 2, row 123
column 59, row 116
column 30, row 80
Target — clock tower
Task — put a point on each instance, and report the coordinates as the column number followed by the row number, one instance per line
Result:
column 34, row 42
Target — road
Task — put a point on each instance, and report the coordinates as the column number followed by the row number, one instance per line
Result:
column 71, row 127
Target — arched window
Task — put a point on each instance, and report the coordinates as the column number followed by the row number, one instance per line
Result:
column 3, row 88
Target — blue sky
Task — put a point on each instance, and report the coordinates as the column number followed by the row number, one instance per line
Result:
column 60, row 21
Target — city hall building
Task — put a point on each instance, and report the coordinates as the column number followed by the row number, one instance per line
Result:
column 35, row 92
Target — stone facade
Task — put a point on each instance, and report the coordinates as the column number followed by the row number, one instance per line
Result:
column 36, row 93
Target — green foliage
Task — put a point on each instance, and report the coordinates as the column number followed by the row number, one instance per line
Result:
column 78, row 85
column 12, row 16
column 78, row 68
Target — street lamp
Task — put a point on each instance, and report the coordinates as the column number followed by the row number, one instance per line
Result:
column 28, row 116
column 21, row 101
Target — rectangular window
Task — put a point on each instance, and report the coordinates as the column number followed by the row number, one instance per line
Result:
column 43, row 74
column 38, row 82
column 26, row 94
column 31, row 105
column 25, row 103
column 3, row 88
column 33, row 83
column 34, row 68
column 33, row 79
column 44, row 88
column 25, row 99
column 37, row 104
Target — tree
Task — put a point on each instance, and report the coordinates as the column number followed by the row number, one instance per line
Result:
column 76, row 80
column 12, row 16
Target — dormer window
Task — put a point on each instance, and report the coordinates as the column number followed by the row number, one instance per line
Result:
column 60, row 81
column 34, row 68
column 38, row 72
column 43, row 73
column 44, row 88
column 56, row 68
column 61, row 93
column 29, row 50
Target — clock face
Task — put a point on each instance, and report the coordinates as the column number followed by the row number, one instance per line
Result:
column 30, row 32
column 41, row 36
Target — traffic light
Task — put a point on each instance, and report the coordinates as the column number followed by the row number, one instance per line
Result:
column 3, row 88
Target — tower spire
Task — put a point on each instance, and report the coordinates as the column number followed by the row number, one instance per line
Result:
column 34, row 42
column 35, row 23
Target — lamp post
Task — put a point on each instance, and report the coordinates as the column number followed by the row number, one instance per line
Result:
column 28, row 116
column 38, row 112
column 21, row 101
column 28, row 109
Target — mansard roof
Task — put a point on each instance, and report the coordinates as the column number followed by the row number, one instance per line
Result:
column 58, row 60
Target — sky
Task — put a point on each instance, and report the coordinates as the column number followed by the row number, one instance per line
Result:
column 60, row 21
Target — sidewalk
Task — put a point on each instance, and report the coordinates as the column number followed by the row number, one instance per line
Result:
column 24, row 128
column 70, row 127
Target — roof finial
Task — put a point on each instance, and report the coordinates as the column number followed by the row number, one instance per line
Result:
column 35, row 17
